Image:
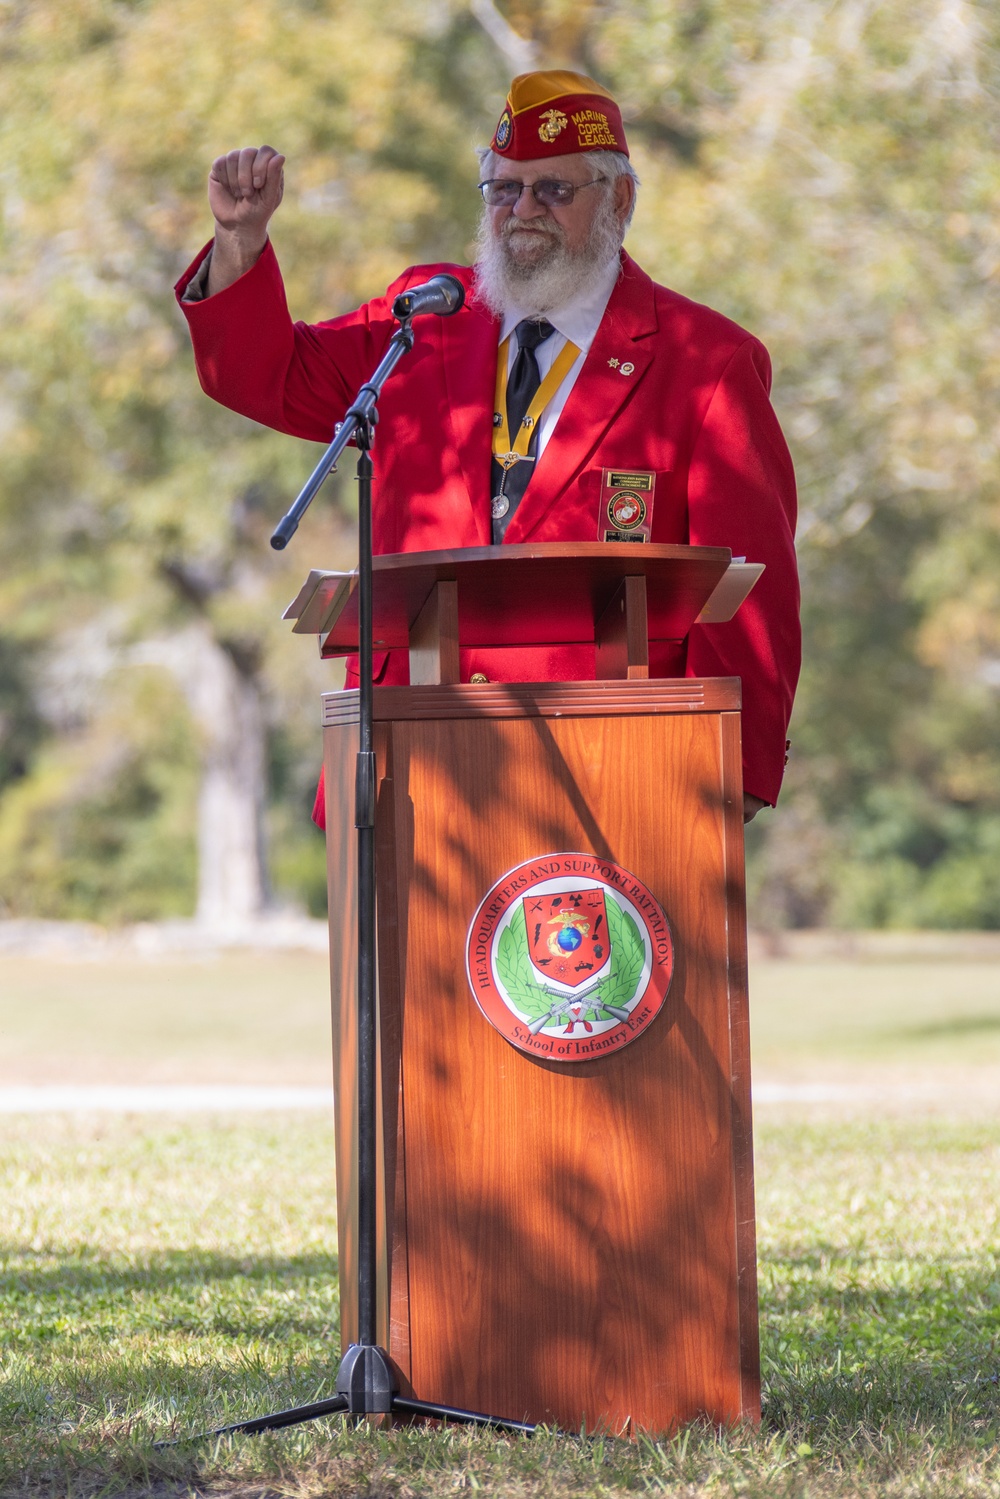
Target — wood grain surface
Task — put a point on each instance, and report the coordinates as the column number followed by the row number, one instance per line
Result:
column 539, row 700
column 570, row 585
column 568, row 1244
column 434, row 637
column 621, row 635
column 739, row 1054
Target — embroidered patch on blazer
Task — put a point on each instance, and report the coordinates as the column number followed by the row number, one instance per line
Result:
column 625, row 511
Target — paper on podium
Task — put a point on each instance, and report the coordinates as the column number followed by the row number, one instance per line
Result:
column 733, row 587
column 320, row 600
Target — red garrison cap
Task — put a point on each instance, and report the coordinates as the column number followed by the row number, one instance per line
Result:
column 557, row 113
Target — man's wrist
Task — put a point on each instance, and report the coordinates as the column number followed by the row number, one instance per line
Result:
column 232, row 256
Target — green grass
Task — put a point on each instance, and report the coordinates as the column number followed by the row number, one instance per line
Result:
column 163, row 1277
column 238, row 1017
column 913, row 1013
column 265, row 1017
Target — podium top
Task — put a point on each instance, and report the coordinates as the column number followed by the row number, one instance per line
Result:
column 544, row 594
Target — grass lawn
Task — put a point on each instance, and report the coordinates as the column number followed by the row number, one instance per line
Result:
column 167, row 1274
column 264, row 1017
column 236, row 1018
column 854, row 1016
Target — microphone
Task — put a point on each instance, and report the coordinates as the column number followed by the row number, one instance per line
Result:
column 442, row 294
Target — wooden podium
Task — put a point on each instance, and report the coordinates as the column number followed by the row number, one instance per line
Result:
column 560, row 1241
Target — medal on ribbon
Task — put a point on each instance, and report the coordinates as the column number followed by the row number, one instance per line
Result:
column 508, row 453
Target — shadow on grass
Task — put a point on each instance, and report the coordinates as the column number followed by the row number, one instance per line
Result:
column 838, row 1342
column 50, row 1295
column 140, row 1352
column 843, row 1351
column 83, row 1266
column 100, row 1356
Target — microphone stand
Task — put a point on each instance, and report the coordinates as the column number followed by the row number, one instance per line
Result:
column 366, row 1381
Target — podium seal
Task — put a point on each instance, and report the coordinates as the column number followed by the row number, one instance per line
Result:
column 569, row 957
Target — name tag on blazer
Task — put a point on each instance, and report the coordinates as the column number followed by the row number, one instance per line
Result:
column 625, row 507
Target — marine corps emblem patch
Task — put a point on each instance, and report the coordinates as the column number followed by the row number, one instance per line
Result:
column 553, row 122
column 626, row 509
column 569, row 957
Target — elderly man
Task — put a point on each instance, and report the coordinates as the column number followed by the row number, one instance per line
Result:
column 515, row 419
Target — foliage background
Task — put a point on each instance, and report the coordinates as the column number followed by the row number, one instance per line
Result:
column 826, row 173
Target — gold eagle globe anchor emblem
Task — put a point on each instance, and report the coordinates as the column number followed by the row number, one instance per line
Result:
column 553, row 123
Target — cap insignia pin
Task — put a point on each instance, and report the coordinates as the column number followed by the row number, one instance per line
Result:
column 626, row 369
column 613, row 364
column 552, row 122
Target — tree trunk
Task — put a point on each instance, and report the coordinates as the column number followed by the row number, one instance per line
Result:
column 226, row 706
column 232, row 871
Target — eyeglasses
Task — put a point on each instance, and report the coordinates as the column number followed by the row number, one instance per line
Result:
column 503, row 192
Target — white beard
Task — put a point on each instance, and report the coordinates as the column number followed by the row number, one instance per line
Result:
column 529, row 270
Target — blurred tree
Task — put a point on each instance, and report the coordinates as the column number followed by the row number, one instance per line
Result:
column 128, row 502
column 825, row 173
column 828, row 175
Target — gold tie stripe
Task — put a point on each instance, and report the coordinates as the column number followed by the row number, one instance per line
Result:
column 508, row 453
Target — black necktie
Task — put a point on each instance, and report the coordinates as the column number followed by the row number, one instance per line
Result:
column 522, row 384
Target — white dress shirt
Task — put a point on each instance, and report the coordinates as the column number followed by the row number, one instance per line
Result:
column 576, row 322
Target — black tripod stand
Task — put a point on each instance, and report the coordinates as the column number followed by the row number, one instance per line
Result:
column 366, row 1382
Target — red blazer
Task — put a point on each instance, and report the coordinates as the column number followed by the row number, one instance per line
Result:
column 694, row 410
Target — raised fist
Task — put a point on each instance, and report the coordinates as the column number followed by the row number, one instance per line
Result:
column 244, row 189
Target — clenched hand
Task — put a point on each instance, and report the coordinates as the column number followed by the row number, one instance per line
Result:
column 244, row 189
